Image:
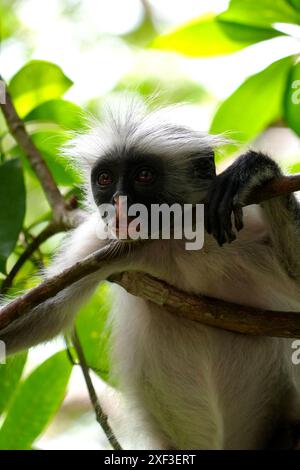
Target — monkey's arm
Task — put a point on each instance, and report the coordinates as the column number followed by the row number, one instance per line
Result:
column 56, row 314
column 282, row 214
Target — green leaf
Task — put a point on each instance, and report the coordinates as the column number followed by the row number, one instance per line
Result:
column 3, row 126
column 49, row 142
column 35, row 403
column 10, row 375
column 263, row 14
column 142, row 34
column 292, row 99
column 172, row 89
column 64, row 113
column 12, row 207
column 94, row 332
column 11, row 23
column 295, row 4
column 36, row 82
column 295, row 168
column 210, row 36
column 255, row 104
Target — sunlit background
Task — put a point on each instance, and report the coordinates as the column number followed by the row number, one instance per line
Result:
column 102, row 46
column 90, row 40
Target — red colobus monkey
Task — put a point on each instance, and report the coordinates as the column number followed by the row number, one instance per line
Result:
column 188, row 385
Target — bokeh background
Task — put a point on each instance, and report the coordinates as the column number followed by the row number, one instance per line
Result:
column 235, row 66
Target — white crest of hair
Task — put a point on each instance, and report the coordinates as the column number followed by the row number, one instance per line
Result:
column 129, row 123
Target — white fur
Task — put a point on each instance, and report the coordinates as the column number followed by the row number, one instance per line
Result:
column 130, row 124
column 202, row 387
column 186, row 386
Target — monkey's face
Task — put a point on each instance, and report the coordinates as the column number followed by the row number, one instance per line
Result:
column 144, row 179
column 140, row 179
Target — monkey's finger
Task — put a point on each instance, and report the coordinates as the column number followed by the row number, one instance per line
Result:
column 207, row 225
column 210, row 205
column 226, row 226
column 238, row 217
column 225, row 210
column 230, row 234
column 212, row 212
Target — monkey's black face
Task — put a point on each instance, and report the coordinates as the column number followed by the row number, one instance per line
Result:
column 141, row 178
column 147, row 179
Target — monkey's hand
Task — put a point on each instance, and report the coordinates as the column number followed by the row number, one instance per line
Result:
column 224, row 201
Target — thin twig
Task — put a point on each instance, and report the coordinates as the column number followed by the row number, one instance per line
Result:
column 60, row 209
column 35, row 159
column 52, row 286
column 100, row 415
column 51, row 229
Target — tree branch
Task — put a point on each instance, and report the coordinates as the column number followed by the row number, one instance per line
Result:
column 52, row 286
column 100, row 415
column 209, row 311
column 61, row 212
column 51, row 229
column 18, row 131
column 274, row 188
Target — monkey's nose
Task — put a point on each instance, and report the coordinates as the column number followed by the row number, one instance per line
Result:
column 121, row 208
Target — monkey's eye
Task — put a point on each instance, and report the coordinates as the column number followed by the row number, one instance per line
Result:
column 104, row 178
column 144, row 176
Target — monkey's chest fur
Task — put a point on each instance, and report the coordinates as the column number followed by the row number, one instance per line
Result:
column 204, row 388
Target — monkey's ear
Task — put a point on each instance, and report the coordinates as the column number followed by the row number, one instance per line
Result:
column 204, row 165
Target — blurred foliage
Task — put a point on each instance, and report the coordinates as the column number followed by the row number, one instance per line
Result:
column 38, row 88
column 265, row 14
column 35, row 401
column 266, row 96
column 94, row 332
column 295, row 4
column 58, row 111
column 38, row 81
column 11, row 23
column 210, row 36
column 292, row 99
column 145, row 32
column 259, row 109
column 11, row 215
column 49, row 142
column 159, row 83
column 10, row 376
